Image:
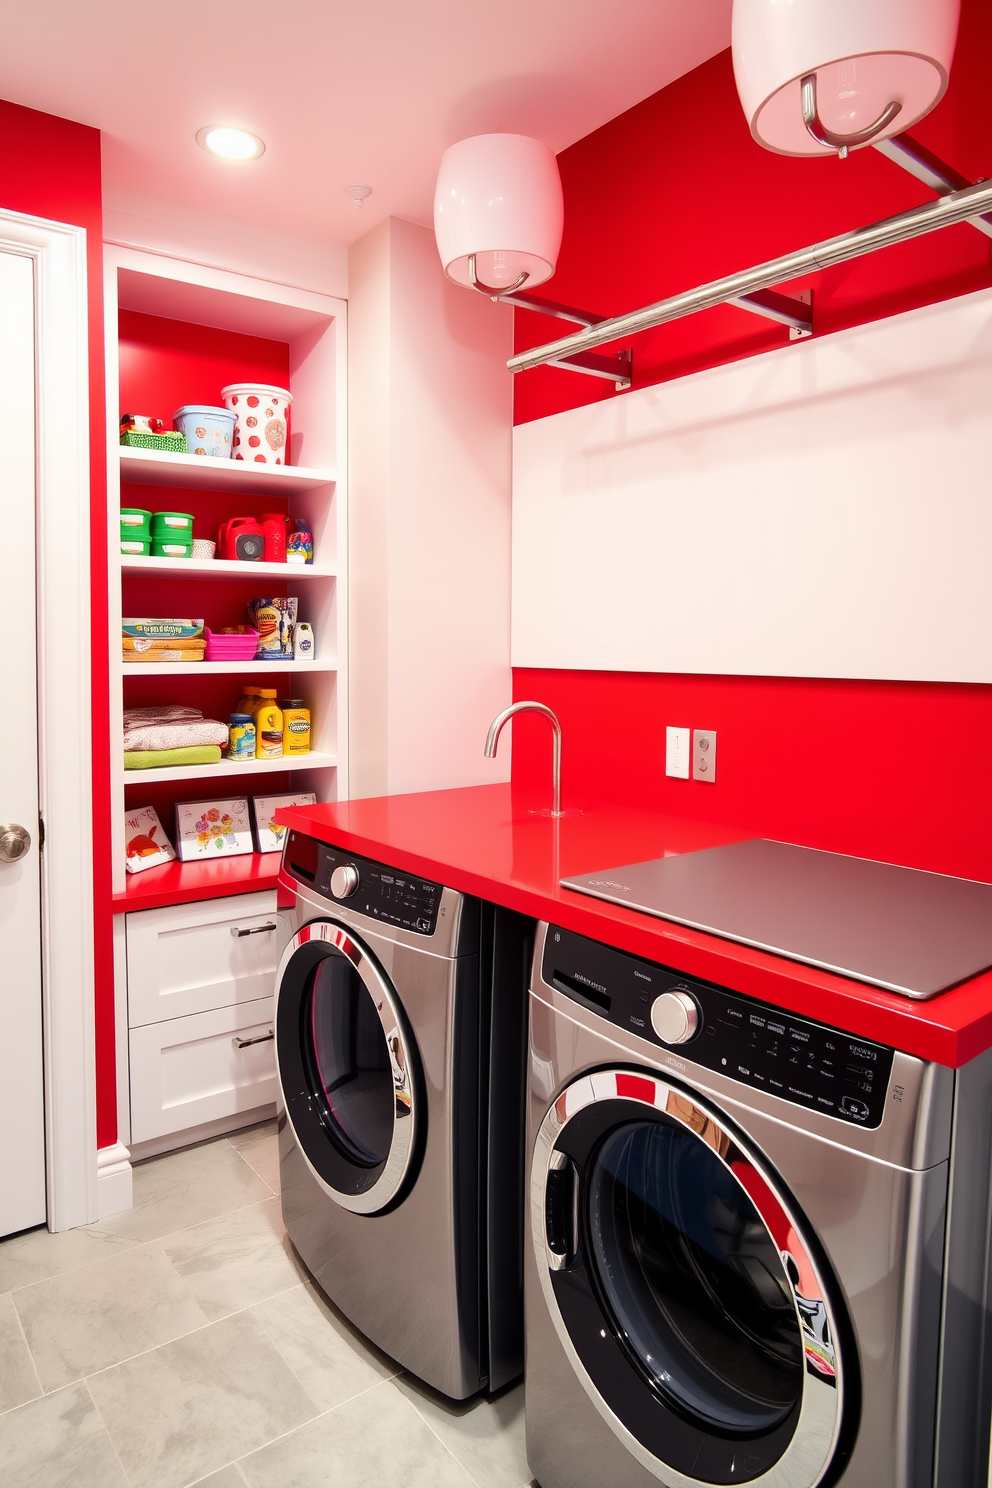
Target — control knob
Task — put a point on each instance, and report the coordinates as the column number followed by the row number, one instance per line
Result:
column 344, row 881
column 675, row 1017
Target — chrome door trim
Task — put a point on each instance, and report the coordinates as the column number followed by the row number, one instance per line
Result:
column 405, row 1114
column 809, row 1453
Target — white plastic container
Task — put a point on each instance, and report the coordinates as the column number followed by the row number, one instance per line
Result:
column 208, row 430
column 260, row 421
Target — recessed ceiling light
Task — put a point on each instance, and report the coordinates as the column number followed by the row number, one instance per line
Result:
column 230, row 144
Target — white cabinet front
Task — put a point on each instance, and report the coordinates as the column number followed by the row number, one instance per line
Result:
column 201, row 1068
column 191, row 958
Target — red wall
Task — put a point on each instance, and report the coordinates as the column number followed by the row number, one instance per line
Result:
column 671, row 194
column 50, row 168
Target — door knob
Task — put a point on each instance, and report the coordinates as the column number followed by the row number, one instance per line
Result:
column 14, row 842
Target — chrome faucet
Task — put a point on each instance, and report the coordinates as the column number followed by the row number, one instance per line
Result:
column 494, row 733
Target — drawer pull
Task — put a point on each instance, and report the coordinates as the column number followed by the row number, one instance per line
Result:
column 255, row 930
column 261, row 1038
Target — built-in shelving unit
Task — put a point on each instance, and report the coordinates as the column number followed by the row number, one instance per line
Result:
column 310, row 329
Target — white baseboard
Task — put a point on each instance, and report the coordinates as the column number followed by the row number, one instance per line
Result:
column 113, row 1180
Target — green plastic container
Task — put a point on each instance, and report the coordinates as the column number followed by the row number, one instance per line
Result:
column 172, row 547
column 171, row 443
column 136, row 547
column 135, row 523
column 175, row 526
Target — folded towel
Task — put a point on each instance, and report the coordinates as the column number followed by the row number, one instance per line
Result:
column 185, row 734
column 154, row 759
column 161, row 713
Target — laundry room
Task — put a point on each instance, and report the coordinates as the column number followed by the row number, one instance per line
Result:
column 542, row 459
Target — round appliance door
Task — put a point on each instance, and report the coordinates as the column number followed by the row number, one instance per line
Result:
column 345, row 1060
column 679, row 1280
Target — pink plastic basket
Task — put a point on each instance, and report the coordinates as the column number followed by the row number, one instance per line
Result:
column 230, row 647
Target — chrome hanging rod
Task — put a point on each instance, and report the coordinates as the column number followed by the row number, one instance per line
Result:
column 957, row 206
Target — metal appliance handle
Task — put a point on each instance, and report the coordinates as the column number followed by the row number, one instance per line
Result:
column 237, row 932
column 261, row 1038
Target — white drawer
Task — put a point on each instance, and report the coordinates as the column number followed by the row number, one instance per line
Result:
column 188, row 958
column 189, row 1071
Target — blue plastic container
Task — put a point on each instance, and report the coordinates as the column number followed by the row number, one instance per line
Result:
column 208, row 431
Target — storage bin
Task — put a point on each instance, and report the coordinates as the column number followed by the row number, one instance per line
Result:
column 173, row 525
column 135, row 523
column 203, row 547
column 169, row 442
column 136, row 547
column 240, row 647
column 171, row 547
column 261, row 429
column 208, row 431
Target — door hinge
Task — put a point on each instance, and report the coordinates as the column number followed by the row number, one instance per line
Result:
column 41, row 832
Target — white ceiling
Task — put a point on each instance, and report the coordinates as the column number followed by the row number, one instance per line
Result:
column 342, row 91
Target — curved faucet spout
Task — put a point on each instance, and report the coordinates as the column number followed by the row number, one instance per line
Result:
column 493, row 738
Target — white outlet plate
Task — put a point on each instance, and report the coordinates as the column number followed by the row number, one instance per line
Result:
column 677, row 752
column 704, row 756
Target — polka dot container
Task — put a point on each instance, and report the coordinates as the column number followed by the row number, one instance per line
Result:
column 260, row 421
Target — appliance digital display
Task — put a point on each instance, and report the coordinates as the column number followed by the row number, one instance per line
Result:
column 762, row 1046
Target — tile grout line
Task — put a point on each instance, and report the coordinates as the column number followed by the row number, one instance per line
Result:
column 27, row 1345
column 471, row 1476
column 100, row 1418
column 304, row 1424
column 253, row 1169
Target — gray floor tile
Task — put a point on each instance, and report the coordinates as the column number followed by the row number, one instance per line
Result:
column 37, row 1255
column 189, row 1408
column 184, row 1188
column 236, row 1260
column 329, row 1357
column 378, row 1438
column 259, row 1146
column 58, row 1441
column 88, row 1319
column 18, row 1377
column 486, row 1435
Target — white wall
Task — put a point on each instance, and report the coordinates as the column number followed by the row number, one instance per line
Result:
column 134, row 220
column 823, row 510
column 429, row 496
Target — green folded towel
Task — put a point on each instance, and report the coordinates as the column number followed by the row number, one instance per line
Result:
column 158, row 759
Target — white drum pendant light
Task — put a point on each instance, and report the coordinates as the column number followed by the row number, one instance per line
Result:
column 820, row 77
column 498, row 212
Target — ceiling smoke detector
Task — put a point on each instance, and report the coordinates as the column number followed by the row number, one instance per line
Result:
column 228, row 143
column 358, row 194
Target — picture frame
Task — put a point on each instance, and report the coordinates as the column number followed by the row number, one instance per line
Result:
column 269, row 836
column 207, row 830
column 145, row 841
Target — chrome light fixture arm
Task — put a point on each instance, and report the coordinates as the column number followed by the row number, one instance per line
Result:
column 496, row 726
column 489, row 289
column 842, row 143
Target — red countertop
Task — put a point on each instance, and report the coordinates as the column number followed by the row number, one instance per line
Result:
column 482, row 840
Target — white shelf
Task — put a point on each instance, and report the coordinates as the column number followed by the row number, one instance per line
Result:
column 225, row 568
column 204, row 472
column 312, row 761
column 224, row 668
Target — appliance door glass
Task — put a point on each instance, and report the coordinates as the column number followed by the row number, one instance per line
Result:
column 688, row 1296
column 346, row 1067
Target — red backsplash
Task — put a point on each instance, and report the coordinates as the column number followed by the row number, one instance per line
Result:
column 900, row 771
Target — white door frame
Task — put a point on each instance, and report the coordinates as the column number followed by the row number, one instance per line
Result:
column 58, row 251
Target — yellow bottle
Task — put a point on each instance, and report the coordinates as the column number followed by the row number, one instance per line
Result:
column 295, row 726
column 268, row 726
column 248, row 701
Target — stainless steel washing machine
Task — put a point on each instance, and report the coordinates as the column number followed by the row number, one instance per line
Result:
column 400, row 1050
column 758, row 1249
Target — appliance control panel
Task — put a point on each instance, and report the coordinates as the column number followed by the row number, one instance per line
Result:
column 800, row 1061
column 367, row 887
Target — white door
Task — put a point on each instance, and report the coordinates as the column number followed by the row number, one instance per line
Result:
column 22, row 1108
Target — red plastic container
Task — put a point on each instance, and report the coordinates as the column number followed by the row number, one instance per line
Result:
column 230, row 647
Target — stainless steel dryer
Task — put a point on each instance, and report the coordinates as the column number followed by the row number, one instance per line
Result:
column 400, row 1050
column 758, row 1248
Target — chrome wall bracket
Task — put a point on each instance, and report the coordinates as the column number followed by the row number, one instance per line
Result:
column 617, row 369
column 920, row 162
column 795, row 311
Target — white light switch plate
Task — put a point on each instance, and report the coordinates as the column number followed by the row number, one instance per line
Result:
column 704, row 755
column 677, row 752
